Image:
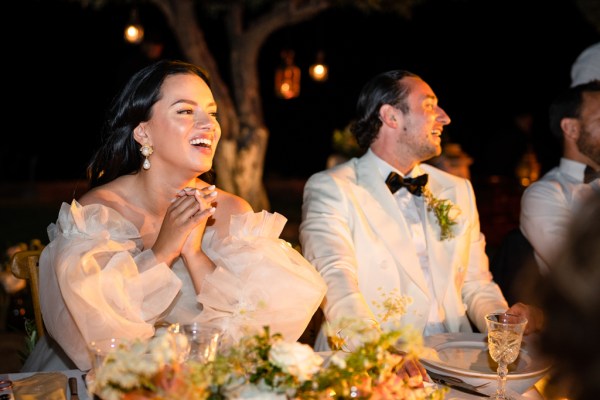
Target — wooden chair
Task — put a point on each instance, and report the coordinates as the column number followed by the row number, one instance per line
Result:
column 25, row 265
column 512, row 264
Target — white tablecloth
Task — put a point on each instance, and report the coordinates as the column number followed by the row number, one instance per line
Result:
column 531, row 394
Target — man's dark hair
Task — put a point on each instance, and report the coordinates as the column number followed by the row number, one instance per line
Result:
column 384, row 88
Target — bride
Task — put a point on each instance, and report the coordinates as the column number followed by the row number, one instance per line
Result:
column 155, row 242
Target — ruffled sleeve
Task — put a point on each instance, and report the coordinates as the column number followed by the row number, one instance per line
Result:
column 259, row 280
column 96, row 282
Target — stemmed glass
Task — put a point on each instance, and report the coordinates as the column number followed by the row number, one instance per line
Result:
column 505, row 332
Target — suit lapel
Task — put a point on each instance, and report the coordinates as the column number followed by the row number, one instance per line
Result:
column 380, row 205
column 440, row 252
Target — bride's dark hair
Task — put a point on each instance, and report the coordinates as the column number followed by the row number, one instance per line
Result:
column 119, row 153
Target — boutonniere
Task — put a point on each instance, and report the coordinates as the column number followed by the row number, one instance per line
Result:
column 445, row 212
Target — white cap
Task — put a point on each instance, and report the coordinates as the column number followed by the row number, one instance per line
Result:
column 586, row 67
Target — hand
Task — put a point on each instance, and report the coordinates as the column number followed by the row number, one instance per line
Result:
column 409, row 369
column 413, row 372
column 534, row 315
column 205, row 197
column 183, row 215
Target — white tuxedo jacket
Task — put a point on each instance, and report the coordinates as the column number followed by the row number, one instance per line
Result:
column 354, row 233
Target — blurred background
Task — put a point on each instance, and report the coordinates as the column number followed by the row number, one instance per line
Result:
column 486, row 61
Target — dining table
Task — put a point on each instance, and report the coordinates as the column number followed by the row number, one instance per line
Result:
column 49, row 392
column 532, row 394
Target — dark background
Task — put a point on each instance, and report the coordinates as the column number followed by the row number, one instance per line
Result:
column 485, row 61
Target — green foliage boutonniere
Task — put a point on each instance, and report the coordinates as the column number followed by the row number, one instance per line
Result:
column 445, row 212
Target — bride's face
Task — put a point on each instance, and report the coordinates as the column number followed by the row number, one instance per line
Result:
column 183, row 127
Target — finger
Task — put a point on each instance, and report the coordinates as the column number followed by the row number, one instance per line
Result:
column 208, row 189
column 204, row 214
column 403, row 374
column 187, row 191
column 207, row 196
column 415, row 373
column 184, row 208
column 423, row 371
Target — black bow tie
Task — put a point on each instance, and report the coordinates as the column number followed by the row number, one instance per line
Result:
column 590, row 174
column 413, row 185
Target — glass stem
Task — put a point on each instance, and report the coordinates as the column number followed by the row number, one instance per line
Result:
column 502, row 372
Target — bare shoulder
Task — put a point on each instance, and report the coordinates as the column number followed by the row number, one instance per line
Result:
column 111, row 194
column 231, row 204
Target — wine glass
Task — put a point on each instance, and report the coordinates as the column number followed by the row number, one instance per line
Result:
column 98, row 350
column 505, row 332
column 203, row 340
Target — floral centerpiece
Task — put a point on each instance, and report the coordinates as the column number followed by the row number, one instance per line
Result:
column 263, row 365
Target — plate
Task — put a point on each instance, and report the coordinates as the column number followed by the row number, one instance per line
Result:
column 467, row 354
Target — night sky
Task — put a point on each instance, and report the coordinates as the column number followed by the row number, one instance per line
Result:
column 484, row 61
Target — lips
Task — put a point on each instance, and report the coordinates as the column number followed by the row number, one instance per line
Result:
column 201, row 142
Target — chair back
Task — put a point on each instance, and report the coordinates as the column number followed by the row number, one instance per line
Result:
column 513, row 266
column 25, row 265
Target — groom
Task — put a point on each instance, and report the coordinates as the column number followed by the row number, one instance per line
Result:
column 372, row 232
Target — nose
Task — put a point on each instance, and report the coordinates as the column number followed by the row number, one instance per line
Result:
column 204, row 121
column 443, row 117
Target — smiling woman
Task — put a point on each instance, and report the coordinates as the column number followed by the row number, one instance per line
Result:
column 174, row 248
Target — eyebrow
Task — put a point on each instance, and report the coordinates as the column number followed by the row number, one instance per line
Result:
column 193, row 103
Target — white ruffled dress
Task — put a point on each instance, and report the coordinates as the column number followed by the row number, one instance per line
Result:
column 97, row 282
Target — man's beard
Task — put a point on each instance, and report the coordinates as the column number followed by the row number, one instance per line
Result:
column 588, row 147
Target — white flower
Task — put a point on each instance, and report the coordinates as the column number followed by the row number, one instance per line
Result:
column 453, row 213
column 295, row 359
column 249, row 391
column 339, row 360
column 445, row 212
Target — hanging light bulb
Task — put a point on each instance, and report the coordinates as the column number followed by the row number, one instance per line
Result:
column 134, row 31
column 319, row 71
column 287, row 77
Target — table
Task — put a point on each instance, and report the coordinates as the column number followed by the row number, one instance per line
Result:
column 81, row 387
column 531, row 394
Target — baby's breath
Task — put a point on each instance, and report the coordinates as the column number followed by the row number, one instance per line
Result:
column 393, row 306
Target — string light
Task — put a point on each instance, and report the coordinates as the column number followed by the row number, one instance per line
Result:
column 134, row 31
column 319, row 71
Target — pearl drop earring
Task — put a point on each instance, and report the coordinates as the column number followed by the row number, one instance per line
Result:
column 146, row 151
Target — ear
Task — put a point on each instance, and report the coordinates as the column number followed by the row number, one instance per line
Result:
column 389, row 115
column 570, row 128
column 139, row 134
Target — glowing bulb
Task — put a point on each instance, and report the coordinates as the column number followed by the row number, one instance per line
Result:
column 318, row 72
column 134, row 31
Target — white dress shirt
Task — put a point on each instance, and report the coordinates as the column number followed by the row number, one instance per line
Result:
column 548, row 205
column 413, row 209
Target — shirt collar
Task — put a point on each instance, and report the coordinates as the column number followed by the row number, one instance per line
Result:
column 573, row 168
column 385, row 168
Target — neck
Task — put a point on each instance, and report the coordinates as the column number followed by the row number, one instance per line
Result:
column 156, row 191
column 404, row 165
